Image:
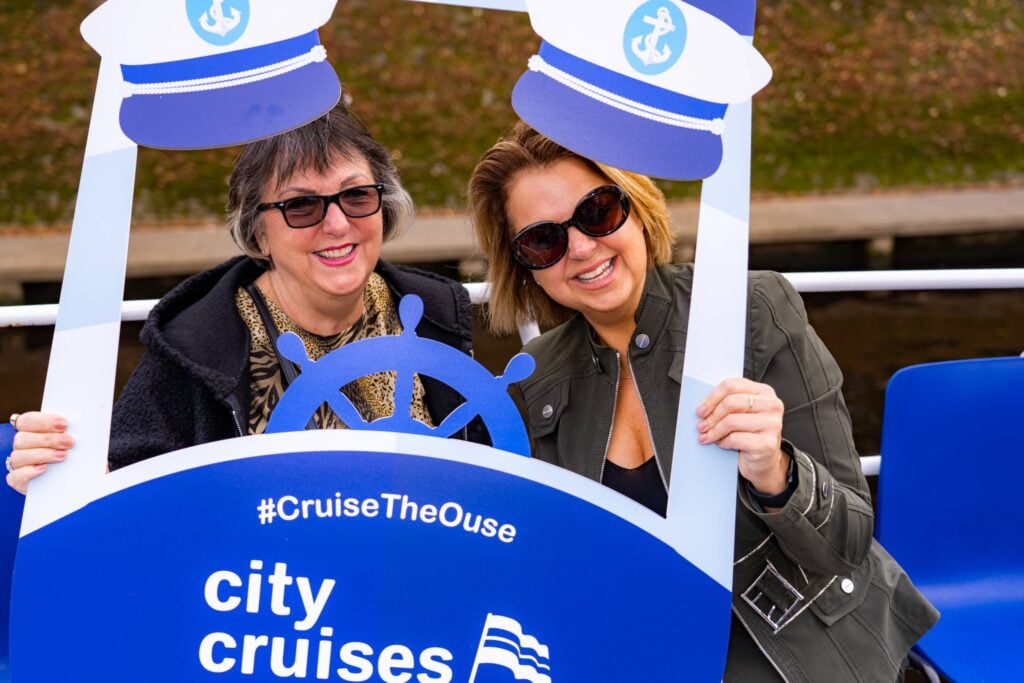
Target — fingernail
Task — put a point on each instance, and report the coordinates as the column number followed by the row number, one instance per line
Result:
column 702, row 410
column 65, row 442
column 61, row 425
column 702, row 426
column 703, row 438
column 60, row 455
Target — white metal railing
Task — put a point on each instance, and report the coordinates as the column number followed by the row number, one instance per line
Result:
column 841, row 281
column 891, row 280
column 838, row 281
column 46, row 314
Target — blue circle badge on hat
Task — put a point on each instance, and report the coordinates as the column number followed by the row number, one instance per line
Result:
column 655, row 37
column 218, row 22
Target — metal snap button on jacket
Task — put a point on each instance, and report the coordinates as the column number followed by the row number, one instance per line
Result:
column 547, row 411
column 642, row 341
column 847, row 586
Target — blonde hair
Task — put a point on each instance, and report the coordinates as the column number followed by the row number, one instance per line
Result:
column 515, row 298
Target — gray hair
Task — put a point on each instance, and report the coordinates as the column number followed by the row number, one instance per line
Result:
column 316, row 147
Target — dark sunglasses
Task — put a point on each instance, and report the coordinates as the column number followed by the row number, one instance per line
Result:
column 309, row 210
column 600, row 213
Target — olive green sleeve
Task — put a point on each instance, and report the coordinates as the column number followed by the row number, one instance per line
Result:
column 827, row 524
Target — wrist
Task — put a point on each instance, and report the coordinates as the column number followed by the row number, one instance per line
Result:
column 779, row 499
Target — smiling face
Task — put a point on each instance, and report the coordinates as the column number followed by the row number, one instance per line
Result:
column 601, row 277
column 321, row 270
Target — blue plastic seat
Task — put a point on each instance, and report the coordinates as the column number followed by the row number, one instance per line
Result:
column 11, row 504
column 951, row 508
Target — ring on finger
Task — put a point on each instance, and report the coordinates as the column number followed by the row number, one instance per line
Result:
column 8, row 465
column 750, row 402
column 14, row 420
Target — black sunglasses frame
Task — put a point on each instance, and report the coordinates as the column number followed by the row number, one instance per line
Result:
column 573, row 222
column 325, row 200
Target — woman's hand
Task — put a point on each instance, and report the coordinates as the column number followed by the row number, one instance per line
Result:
column 746, row 416
column 41, row 440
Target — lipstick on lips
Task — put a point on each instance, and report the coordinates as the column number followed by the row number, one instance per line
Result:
column 336, row 255
column 597, row 273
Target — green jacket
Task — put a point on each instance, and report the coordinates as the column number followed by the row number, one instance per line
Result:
column 849, row 612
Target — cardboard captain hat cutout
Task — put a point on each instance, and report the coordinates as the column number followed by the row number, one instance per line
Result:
column 640, row 86
column 212, row 73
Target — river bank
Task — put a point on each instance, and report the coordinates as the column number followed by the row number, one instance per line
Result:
column 876, row 230
column 871, row 335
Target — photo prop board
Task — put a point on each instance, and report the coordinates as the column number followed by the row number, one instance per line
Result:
column 11, row 505
column 663, row 88
column 212, row 73
column 353, row 555
column 357, row 556
column 642, row 86
column 227, row 72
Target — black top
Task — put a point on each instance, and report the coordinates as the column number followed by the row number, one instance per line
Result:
column 643, row 484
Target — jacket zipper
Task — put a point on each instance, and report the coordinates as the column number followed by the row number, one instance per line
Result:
column 756, row 642
column 238, row 424
column 615, row 405
column 647, row 421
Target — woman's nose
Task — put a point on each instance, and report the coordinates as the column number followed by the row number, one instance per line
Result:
column 580, row 245
column 335, row 222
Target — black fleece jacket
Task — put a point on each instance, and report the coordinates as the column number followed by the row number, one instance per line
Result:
column 192, row 384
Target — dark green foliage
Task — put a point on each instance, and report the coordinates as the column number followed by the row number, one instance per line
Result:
column 866, row 94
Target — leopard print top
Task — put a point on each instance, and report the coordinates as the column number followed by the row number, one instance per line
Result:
column 372, row 395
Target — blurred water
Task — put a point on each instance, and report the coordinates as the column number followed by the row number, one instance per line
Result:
column 870, row 334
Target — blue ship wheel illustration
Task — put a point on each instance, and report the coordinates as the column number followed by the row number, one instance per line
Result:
column 406, row 354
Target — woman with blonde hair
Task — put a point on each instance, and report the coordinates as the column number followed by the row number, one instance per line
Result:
column 584, row 249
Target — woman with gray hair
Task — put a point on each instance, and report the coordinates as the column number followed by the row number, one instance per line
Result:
column 310, row 209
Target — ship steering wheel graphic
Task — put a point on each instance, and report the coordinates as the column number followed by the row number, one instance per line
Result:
column 406, row 354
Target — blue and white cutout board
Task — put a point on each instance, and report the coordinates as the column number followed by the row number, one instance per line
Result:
column 212, row 73
column 663, row 88
column 642, row 86
column 326, row 555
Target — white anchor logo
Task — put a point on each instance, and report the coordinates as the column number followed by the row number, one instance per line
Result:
column 645, row 47
column 214, row 21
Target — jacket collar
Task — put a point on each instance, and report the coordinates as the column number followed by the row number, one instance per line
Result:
column 655, row 308
column 651, row 316
column 197, row 326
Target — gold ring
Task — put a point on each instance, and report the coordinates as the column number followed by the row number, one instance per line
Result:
column 14, row 420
